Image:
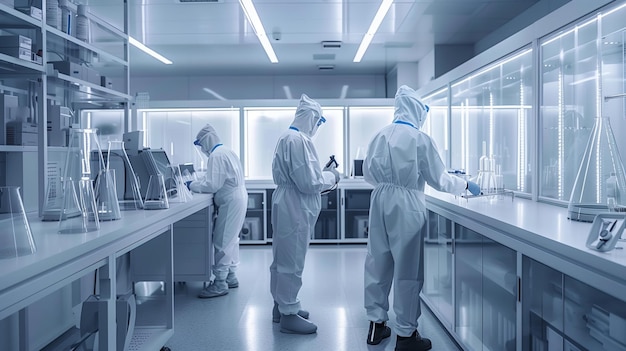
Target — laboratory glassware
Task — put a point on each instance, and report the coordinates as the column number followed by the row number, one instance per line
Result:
column 79, row 213
column 116, row 148
column 156, row 196
column 183, row 194
column 601, row 169
column 106, row 196
column 16, row 238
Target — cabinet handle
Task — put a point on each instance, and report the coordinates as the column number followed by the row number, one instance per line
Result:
column 519, row 289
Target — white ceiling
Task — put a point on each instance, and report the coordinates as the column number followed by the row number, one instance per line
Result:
column 216, row 39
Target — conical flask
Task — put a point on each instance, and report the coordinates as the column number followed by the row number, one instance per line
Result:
column 16, row 238
column 106, row 196
column 601, row 169
column 156, row 196
column 79, row 214
column 128, row 194
column 183, row 194
column 83, row 161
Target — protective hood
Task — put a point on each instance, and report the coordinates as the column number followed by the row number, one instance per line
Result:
column 409, row 107
column 308, row 115
column 207, row 138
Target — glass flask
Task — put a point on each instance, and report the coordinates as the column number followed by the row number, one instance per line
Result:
column 183, row 194
column 601, row 179
column 127, row 185
column 79, row 213
column 156, row 196
column 16, row 238
column 106, row 196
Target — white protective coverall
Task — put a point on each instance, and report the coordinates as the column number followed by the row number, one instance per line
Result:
column 225, row 179
column 296, row 203
column 400, row 159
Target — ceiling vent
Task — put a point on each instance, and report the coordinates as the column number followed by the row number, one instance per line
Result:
column 331, row 44
column 326, row 67
column 323, row 57
column 193, row 1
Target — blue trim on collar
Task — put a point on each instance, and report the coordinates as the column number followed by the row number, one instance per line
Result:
column 403, row 122
column 294, row 128
column 215, row 147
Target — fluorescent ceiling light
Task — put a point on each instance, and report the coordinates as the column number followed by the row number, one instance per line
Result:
column 253, row 18
column 217, row 96
column 367, row 39
column 148, row 51
column 287, row 91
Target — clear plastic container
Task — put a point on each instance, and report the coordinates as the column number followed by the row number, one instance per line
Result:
column 16, row 238
column 79, row 213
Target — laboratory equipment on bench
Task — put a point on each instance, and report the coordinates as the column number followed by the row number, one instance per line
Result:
column 601, row 178
column 150, row 163
column 16, row 238
column 331, row 162
column 606, row 230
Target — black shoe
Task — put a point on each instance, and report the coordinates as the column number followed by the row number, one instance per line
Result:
column 377, row 332
column 413, row 343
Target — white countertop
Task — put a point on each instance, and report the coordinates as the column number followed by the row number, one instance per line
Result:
column 538, row 230
column 57, row 252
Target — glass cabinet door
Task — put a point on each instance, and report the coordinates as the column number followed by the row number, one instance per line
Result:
column 327, row 224
column 563, row 313
column 485, row 292
column 438, row 267
column 357, row 204
column 253, row 230
column 491, row 117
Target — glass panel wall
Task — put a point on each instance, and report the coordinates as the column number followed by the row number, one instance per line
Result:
column 492, row 117
column 436, row 124
column 174, row 130
column 264, row 126
column 364, row 123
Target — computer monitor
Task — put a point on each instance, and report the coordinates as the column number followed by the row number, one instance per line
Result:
column 151, row 162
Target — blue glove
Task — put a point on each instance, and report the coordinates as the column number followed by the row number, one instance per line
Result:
column 473, row 188
column 187, row 183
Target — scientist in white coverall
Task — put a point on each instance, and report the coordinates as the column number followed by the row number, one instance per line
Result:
column 400, row 160
column 225, row 179
column 296, row 204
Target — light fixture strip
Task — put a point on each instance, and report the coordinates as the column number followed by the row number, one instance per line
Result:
column 255, row 21
column 148, row 51
column 367, row 39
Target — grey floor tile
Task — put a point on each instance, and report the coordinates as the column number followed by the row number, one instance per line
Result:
column 332, row 291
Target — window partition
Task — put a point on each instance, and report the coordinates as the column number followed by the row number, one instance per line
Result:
column 491, row 118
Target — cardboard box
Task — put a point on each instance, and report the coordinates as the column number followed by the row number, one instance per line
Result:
column 15, row 41
column 17, row 52
column 71, row 69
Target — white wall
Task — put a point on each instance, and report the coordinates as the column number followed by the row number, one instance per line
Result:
column 260, row 87
column 426, row 69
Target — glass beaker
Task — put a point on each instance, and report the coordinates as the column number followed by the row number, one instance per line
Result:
column 16, row 238
column 601, row 179
column 84, row 156
column 79, row 213
column 129, row 196
column 156, row 196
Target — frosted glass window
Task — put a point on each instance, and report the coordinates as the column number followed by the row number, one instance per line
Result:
column 436, row 125
column 175, row 130
column 364, row 123
column 491, row 110
column 110, row 124
column 569, row 105
column 264, row 126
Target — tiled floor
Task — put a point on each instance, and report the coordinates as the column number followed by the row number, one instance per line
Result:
column 332, row 291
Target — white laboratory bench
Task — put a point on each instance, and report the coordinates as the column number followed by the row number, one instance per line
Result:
column 505, row 273
column 61, row 259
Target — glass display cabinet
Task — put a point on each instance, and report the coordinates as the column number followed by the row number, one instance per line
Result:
column 562, row 313
column 356, row 214
column 253, row 231
column 485, row 292
column 438, row 263
column 582, row 79
column 492, row 118
column 436, row 124
column 327, row 225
